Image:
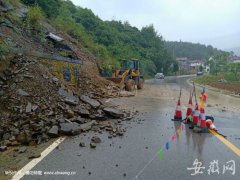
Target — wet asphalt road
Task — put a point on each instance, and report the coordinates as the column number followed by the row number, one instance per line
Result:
column 135, row 155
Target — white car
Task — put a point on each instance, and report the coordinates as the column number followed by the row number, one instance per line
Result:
column 159, row 76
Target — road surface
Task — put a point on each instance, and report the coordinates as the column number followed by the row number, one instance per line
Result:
column 142, row 153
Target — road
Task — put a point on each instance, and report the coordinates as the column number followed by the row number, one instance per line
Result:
column 141, row 153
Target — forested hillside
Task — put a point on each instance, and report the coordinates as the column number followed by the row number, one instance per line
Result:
column 109, row 41
column 190, row 50
column 112, row 41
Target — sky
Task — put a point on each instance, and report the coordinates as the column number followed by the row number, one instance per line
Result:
column 214, row 22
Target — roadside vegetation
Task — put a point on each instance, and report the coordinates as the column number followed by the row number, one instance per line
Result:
column 223, row 74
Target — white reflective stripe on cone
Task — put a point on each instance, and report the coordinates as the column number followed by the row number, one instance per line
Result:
column 202, row 116
column 212, row 126
column 197, row 113
column 178, row 108
column 194, row 113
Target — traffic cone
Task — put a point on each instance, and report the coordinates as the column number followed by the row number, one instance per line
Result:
column 178, row 112
column 202, row 122
column 196, row 115
column 189, row 111
column 210, row 125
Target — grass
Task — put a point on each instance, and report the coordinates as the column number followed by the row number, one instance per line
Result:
column 208, row 79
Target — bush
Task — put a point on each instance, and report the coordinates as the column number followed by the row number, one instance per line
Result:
column 230, row 76
column 35, row 16
column 207, row 79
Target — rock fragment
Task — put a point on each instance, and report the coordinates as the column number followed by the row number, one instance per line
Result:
column 94, row 103
column 21, row 92
column 92, row 145
column 113, row 112
column 53, row 132
column 96, row 139
column 70, row 128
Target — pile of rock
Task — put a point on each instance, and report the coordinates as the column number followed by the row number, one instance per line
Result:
column 35, row 106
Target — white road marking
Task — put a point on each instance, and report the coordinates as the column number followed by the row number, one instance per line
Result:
column 34, row 162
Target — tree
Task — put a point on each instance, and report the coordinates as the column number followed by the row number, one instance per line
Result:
column 109, row 41
column 35, row 16
column 235, row 69
column 175, row 67
column 50, row 7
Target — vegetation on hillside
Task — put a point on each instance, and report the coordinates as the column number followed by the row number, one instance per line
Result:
column 190, row 50
column 112, row 41
column 109, row 41
column 223, row 73
column 220, row 65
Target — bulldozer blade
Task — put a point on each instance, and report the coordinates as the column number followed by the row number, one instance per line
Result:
column 115, row 80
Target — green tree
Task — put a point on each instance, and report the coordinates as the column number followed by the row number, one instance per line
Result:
column 35, row 16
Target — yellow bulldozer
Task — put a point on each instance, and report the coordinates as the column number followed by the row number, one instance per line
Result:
column 128, row 76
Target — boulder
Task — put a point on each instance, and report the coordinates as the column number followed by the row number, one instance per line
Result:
column 83, row 112
column 3, row 148
column 22, row 149
column 28, row 107
column 92, row 145
column 113, row 112
column 82, row 144
column 34, row 155
column 21, row 92
column 94, row 103
column 70, row 114
column 71, row 101
column 87, row 126
column 69, row 97
column 55, row 79
column 96, row 139
column 70, row 128
column 53, row 132
column 79, row 120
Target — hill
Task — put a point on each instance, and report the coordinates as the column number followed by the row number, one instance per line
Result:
column 190, row 50
column 109, row 41
column 235, row 50
column 112, row 41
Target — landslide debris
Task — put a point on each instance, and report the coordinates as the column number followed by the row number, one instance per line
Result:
column 36, row 104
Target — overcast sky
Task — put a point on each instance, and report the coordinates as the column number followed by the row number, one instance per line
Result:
column 215, row 22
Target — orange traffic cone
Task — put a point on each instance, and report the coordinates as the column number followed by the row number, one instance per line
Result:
column 189, row 111
column 178, row 112
column 210, row 125
column 202, row 122
column 202, row 110
column 196, row 115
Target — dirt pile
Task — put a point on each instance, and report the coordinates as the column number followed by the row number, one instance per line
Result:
column 37, row 104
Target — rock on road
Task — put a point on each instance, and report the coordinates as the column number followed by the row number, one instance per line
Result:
column 135, row 155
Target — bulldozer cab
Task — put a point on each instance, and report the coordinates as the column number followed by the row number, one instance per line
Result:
column 129, row 75
column 130, row 64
